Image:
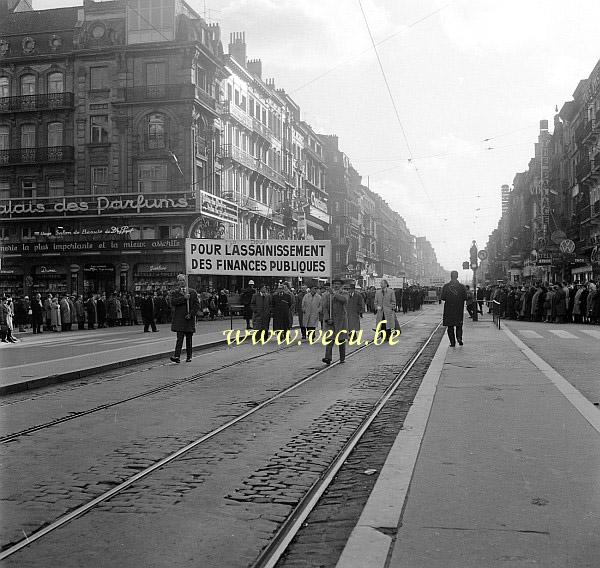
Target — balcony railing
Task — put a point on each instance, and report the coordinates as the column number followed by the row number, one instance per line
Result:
column 47, row 101
column 238, row 114
column 269, row 172
column 160, row 92
column 582, row 169
column 234, row 153
column 261, row 129
column 36, row 155
column 584, row 214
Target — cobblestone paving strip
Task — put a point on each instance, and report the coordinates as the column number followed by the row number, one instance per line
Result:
column 326, row 530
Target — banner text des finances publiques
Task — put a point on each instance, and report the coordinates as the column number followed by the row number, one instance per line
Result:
column 258, row 258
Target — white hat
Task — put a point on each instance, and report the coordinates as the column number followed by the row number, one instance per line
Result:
column 250, row 281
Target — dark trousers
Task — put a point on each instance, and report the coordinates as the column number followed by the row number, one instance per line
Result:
column 37, row 326
column 459, row 329
column 188, row 344
column 80, row 325
column 149, row 323
column 329, row 347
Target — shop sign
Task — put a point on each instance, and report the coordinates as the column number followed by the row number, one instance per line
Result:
column 99, row 268
column 47, row 270
column 218, row 208
column 75, row 247
column 579, row 260
column 318, row 203
column 114, row 230
column 78, row 205
column 258, row 258
column 319, row 214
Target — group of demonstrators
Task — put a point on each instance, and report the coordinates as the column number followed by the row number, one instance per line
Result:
column 545, row 302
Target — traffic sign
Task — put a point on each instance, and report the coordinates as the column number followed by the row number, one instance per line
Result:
column 567, row 246
column 474, row 265
column 482, row 254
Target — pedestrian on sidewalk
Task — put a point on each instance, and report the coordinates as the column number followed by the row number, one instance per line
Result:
column 355, row 308
column 385, row 304
column 148, row 310
column 311, row 308
column 185, row 305
column 261, row 311
column 37, row 314
column 90, row 308
column 246, row 299
column 454, row 295
column 80, row 311
column 335, row 318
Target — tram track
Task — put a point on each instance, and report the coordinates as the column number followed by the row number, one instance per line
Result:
column 81, row 510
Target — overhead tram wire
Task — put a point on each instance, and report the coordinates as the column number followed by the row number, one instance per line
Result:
column 389, row 90
column 353, row 58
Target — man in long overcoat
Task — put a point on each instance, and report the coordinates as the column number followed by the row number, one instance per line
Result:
column 261, row 310
column 281, row 301
column 246, row 299
column 298, row 308
column 148, row 311
column 311, row 307
column 65, row 314
column 335, row 318
column 355, row 308
column 92, row 315
column 454, row 295
column 185, row 305
column 37, row 313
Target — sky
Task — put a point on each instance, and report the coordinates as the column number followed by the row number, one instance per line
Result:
column 470, row 80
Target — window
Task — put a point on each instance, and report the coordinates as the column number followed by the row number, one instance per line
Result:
column 4, row 190
column 56, row 83
column 4, row 138
column 56, row 187
column 164, row 231
column 148, row 232
column 99, row 129
column 155, row 74
column 156, row 131
column 55, row 134
column 98, row 78
column 28, row 85
column 28, row 136
column 201, row 78
column 152, row 177
column 229, row 92
column 237, row 97
column 177, row 231
column 99, row 178
column 4, row 87
column 28, row 187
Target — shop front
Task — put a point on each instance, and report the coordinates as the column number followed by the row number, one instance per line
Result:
column 50, row 279
column 11, row 281
column 156, row 277
column 99, row 278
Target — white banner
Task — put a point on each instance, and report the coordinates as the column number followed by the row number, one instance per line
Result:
column 258, row 258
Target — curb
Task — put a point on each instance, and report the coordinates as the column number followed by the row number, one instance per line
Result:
column 40, row 382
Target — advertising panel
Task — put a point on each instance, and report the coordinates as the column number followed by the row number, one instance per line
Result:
column 258, row 258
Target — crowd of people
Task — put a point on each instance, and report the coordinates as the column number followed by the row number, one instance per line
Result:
column 542, row 302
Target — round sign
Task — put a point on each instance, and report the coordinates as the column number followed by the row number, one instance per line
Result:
column 567, row 246
column 482, row 254
column 124, row 267
column 557, row 237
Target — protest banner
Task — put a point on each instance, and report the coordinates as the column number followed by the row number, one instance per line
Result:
column 258, row 257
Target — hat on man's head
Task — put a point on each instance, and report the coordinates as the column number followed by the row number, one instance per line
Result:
column 337, row 281
column 250, row 281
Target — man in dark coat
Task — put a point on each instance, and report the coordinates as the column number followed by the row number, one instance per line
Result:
column 298, row 308
column 37, row 314
column 90, row 308
column 101, row 310
column 281, row 303
column 185, row 305
column 148, row 311
column 335, row 319
column 261, row 310
column 454, row 295
column 246, row 299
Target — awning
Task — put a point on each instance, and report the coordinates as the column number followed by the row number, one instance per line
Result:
column 582, row 270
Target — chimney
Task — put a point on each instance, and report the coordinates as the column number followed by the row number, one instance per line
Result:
column 543, row 125
column 215, row 30
column 255, row 67
column 271, row 83
column 237, row 47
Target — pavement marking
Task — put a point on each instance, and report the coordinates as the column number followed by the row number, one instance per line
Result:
column 530, row 333
column 368, row 546
column 581, row 404
column 562, row 334
column 591, row 332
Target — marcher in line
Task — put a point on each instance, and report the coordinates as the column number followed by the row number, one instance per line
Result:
column 246, row 299
column 65, row 314
column 280, row 308
column 185, row 305
column 311, row 308
column 355, row 307
column 55, row 322
column 385, row 304
column 299, row 310
column 148, row 311
column 261, row 310
column 454, row 296
column 90, row 308
column 335, row 318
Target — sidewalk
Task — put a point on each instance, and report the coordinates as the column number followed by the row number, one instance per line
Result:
column 497, row 465
column 76, row 354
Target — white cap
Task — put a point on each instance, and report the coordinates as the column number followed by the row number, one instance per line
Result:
column 250, row 281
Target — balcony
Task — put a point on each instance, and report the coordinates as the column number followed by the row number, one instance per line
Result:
column 261, row 129
column 234, row 153
column 237, row 114
column 583, row 170
column 25, row 103
column 159, row 93
column 52, row 154
column 584, row 214
column 269, row 172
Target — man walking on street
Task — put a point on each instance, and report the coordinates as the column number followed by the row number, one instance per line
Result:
column 454, row 295
column 246, row 299
column 185, row 305
column 335, row 318
column 355, row 308
column 261, row 311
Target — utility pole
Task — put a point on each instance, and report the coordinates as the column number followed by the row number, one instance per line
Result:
column 473, row 254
